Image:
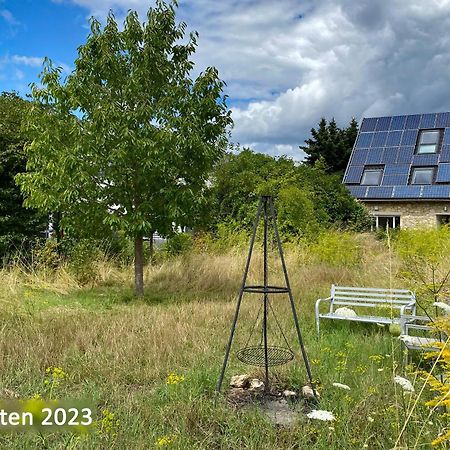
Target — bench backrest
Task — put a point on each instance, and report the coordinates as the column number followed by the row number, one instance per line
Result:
column 370, row 297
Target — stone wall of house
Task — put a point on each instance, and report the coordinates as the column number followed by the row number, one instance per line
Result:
column 412, row 214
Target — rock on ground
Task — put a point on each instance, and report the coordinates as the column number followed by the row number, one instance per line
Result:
column 240, row 381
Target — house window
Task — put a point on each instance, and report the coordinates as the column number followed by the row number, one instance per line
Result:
column 443, row 219
column 428, row 142
column 372, row 176
column 386, row 222
column 422, row 175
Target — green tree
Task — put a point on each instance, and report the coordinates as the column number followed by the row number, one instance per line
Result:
column 128, row 140
column 19, row 226
column 297, row 213
column 239, row 179
column 298, row 189
column 332, row 144
column 333, row 197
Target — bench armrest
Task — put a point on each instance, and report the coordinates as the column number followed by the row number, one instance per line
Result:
column 328, row 299
column 405, row 318
column 318, row 302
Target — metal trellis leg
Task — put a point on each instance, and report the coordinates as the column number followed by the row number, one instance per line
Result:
column 291, row 299
column 241, row 293
column 266, row 357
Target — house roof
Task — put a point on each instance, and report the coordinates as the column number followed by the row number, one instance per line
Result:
column 391, row 143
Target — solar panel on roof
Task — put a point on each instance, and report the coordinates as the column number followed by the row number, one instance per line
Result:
column 374, row 156
column 443, row 173
column 406, row 192
column 436, row 191
column 389, row 155
column 369, row 124
column 359, row 156
column 397, row 169
column 446, row 140
column 405, row 155
column 409, row 137
column 398, row 123
column 395, row 180
column 390, row 142
column 412, row 121
column 353, row 174
column 426, row 159
column 427, row 121
column 358, row 191
column 443, row 120
column 379, row 192
column 383, row 123
column 445, row 153
column 364, row 140
column 379, row 139
column 393, row 138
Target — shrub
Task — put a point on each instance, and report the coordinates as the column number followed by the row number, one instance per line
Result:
column 178, row 244
column 297, row 214
column 425, row 263
column 46, row 255
column 82, row 259
column 337, row 248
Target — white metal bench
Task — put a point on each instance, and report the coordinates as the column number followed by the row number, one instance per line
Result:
column 390, row 304
column 411, row 338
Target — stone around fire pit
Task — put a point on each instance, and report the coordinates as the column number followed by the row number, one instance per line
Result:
column 240, row 381
column 308, row 393
column 256, row 385
column 289, row 394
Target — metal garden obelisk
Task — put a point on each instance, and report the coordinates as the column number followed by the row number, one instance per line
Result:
column 265, row 355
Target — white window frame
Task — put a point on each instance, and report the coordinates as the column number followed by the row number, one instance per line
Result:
column 372, row 169
column 394, row 218
column 434, row 146
column 416, row 169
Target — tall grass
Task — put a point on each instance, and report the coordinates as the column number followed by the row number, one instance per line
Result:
column 119, row 351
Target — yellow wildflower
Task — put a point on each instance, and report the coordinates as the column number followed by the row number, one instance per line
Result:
column 376, row 358
column 173, row 378
column 108, row 424
column 164, row 441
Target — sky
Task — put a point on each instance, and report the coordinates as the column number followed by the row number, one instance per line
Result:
column 287, row 63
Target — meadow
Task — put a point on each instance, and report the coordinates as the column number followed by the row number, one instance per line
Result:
column 151, row 364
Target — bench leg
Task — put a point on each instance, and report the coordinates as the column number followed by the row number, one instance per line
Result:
column 318, row 326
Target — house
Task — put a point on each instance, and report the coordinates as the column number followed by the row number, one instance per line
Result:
column 400, row 169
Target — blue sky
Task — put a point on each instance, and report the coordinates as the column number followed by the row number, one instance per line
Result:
column 30, row 30
column 287, row 63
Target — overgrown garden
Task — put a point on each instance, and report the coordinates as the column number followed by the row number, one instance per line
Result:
column 129, row 146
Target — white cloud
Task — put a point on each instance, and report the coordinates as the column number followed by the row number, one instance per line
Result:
column 31, row 61
column 18, row 68
column 19, row 75
column 8, row 17
column 287, row 63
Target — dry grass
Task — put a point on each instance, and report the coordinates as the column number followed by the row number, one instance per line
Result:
column 118, row 351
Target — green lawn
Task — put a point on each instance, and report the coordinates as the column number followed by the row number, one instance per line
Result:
column 118, row 352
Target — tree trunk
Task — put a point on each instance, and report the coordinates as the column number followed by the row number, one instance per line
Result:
column 150, row 247
column 139, row 265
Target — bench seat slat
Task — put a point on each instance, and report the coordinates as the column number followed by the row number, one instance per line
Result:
column 373, row 319
column 353, row 288
column 368, row 305
column 421, row 343
column 373, row 295
column 371, row 300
